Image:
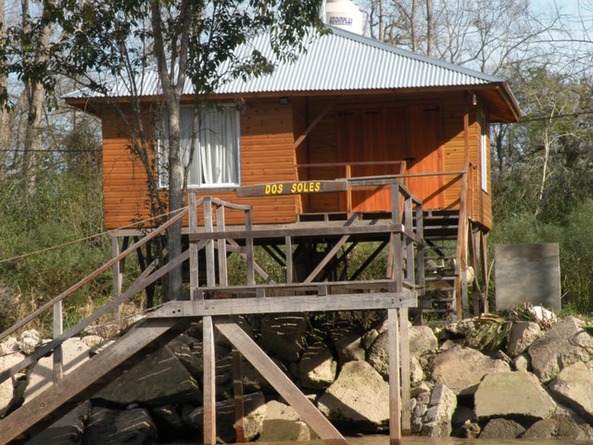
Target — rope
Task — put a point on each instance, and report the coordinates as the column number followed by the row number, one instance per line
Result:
column 59, row 246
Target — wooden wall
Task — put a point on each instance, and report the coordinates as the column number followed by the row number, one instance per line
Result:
column 269, row 130
column 267, row 154
column 455, row 148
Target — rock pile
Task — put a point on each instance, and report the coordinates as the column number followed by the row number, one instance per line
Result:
column 536, row 385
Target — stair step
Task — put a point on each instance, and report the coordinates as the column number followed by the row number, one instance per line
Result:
column 438, row 311
column 439, row 278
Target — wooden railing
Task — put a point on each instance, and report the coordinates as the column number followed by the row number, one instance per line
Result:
column 149, row 276
column 405, row 230
column 345, row 170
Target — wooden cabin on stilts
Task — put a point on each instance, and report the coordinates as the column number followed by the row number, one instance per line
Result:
column 357, row 143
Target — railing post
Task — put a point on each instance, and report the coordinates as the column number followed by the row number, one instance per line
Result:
column 348, row 173
column 58, row 329
column 209, row 227
column 117, row 272
column 222, row 259
column 250, row 250
column 194, row 266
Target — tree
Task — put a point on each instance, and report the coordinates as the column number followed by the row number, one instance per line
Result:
column 540, row 165
column 483, row 34
column 189, row 41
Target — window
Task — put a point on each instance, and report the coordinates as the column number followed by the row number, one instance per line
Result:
column 484, row 152
column 212, row 150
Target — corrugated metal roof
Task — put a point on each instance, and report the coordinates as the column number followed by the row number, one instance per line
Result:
column 336, row 61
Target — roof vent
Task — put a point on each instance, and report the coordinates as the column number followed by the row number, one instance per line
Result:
column 343, row 14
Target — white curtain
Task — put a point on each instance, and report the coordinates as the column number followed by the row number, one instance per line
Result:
column 217, row 147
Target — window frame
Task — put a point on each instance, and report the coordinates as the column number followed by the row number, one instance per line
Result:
column 194, row 146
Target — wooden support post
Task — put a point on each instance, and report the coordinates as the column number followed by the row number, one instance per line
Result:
column 194, row 267
column 274, row 375
column 250, row 250
column 58, row 361
column 209, row 227
column 238, row 396
column 209, row 384
column 484, row 268
column 348, row 191
column 117, row 272
column 395, row 402
column 223, row 277
column 409, row 245
column 404, row 348
column 289, row 262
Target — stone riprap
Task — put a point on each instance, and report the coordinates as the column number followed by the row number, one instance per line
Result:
column 536, row 384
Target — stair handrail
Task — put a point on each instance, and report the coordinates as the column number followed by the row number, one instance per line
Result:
column 50, row 304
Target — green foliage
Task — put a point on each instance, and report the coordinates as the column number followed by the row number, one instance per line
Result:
column 64, row 208
column 576, row 249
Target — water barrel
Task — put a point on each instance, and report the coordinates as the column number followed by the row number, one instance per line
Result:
column 344, row 14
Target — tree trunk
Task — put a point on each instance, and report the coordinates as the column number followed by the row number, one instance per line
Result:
column 4, row 115
column 172, row 88
column 35, row 103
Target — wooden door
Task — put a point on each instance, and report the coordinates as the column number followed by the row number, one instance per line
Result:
column 371, row 135
column 425, row 155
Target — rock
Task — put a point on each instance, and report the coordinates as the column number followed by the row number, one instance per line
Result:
column 378, row 355
column 422, row 387
column 469, row 430
column 419, row 406
column 369, row 338
column 447, row 344
column 167, row 381
column 348, row 345
column 521, row 363
column 416, row 372
column 517, row 395
column 441, row 407
column 74, row 353
column 461, row 328
column 187, row 357
column 422, row 340
column 255, row 413
column 283, row 424
column 358, row 399
column 573, row 387
column 92, row 340
column 522, row 335
column 284, row 335
column 28, row 341
column 502, row 429
column 563, row 428
column 461, row 369
column 7, row 387
column 462, row 415
column 317, row 368
column 9, row 346
column 253, row 381
column 115, row 427
column 168, row 421
column 66, row 431
column 564, row 344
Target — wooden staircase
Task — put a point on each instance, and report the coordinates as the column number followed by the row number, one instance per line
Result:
column 90, row 377
column 216, row 303
column 441, row 228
